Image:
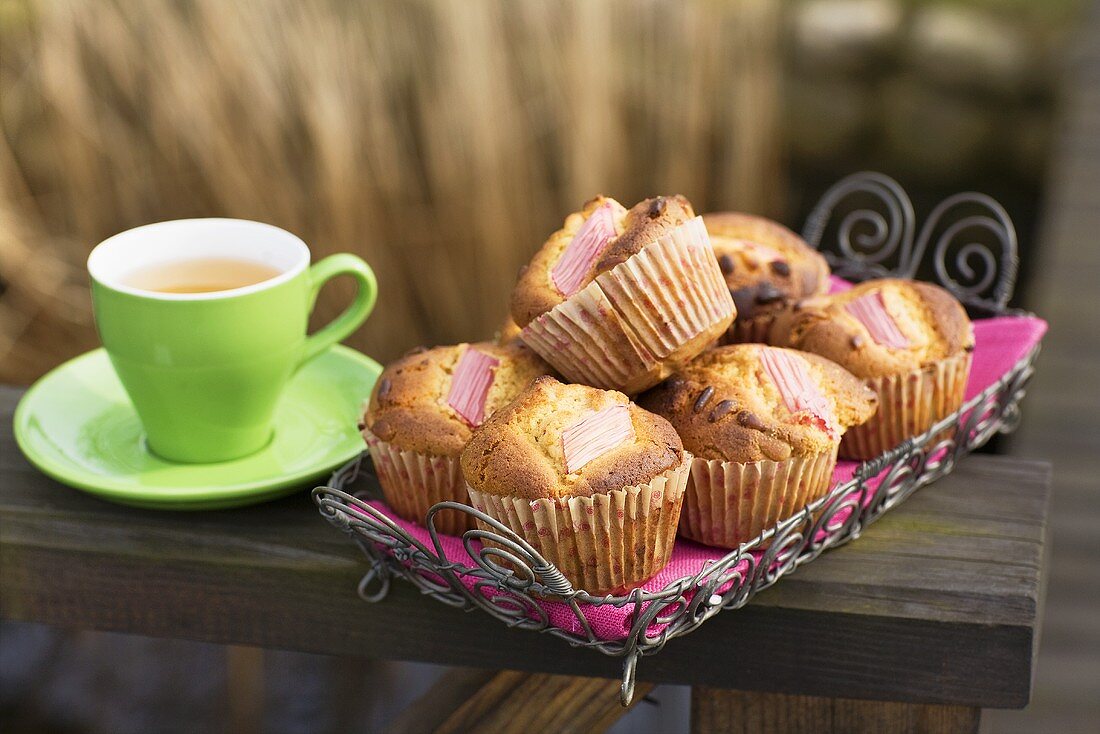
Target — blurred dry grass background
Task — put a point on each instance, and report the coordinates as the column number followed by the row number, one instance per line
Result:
column 440, row 140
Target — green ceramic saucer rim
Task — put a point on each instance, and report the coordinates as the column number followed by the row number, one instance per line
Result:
column 181, row 498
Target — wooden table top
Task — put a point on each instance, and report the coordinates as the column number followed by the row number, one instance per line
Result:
column 938, row 602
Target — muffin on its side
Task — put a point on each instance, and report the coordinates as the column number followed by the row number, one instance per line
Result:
column 910, row 341
column 619, row 298
column 766, row 266
column 593, row 482
column 764, row 425
column 423, row 410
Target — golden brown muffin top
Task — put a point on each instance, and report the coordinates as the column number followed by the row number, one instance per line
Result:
column 727, row 406
column 526, row 448
column 536, row 292
column 849, row 328
column 766, row 265
column 413, row 407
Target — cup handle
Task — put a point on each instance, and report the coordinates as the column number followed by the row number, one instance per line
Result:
column 354, row 315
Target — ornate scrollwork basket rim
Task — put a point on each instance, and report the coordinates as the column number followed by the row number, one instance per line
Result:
column 725, row 583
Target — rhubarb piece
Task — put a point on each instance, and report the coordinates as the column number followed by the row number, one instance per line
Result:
column 595, row 435
column 588, row 244
column 800, row 393
column 473, row 376
column 870, row 310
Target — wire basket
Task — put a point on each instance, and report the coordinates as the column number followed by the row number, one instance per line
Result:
column 869, row 219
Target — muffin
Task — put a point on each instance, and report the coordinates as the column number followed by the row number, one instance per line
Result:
column 911, row 342
column 593, row 482
column 423, row 410
column 618, row 298
column 764, row 425
column 766, row 266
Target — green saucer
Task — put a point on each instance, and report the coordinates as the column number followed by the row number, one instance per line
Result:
column 77, row 425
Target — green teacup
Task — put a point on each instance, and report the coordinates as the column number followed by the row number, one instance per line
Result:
column 205, row 369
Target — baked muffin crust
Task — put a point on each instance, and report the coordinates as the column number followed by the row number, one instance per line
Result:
column 519, row 451
column 932, row 322
column 409, row 404
column 766, row 265
column 536, row 293
column 725, row 406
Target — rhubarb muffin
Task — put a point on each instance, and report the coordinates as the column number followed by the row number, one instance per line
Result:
column 590, row 480
column 911, row 342
column 764, row 425
column 619, row 298
column 423, row 410
column 767, row 267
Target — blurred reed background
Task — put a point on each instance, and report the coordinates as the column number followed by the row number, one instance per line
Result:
column 440, row 140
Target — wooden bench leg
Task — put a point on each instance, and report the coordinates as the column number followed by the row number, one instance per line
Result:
column 245, row 674
column 716, row 710
column 509, row 702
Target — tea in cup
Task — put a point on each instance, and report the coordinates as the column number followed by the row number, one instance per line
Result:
column 205, row 321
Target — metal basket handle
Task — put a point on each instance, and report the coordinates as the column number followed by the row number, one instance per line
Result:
column 872, row 233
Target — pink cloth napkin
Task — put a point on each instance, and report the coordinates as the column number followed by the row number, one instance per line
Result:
column 1000, row 343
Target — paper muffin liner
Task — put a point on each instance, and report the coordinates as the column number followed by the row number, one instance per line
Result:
column 607, row 543
column 749, row 330
column 412, row 482
column 728, row 502
column 629, row 328
column 908, row 405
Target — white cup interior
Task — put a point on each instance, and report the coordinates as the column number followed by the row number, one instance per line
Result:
column 117, row 258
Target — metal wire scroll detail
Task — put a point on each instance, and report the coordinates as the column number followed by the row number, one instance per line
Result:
column 876, row 236
column 509, row 578
column 870, row 242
